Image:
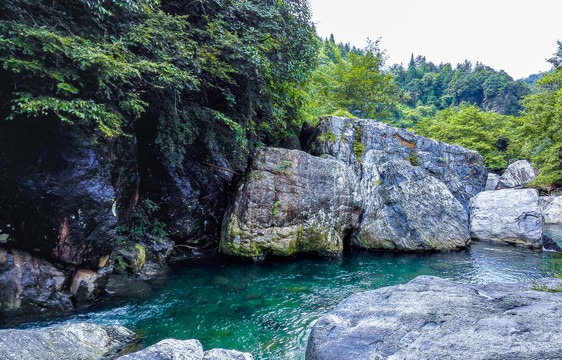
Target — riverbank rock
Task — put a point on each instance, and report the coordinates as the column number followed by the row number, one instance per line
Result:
column 517, row 174
column 411, row 211
column 292, row 202
column 492, row 181
column 509, row 215
column 172, row 349
column 81, row 341
column 431, row 318
column 553, row 211
column 30, row 286
column 349, row 140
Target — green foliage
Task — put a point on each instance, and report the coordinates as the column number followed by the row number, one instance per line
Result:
column 539, row 137
column 145, row 221
column 413, row 159
column 276, row 206
column 350, row 82
column 186, row 70
column 424, row 85
column 468, row 126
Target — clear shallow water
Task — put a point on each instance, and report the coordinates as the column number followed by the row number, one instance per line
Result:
column 268, row 309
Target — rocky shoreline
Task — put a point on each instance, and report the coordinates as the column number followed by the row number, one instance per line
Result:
column 86, row 221
column 426, row 318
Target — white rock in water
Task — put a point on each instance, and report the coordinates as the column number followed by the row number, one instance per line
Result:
column 507, row 215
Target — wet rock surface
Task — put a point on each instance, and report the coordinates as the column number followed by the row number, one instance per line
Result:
column 508, row 215
column 81, row 341
column 292, row 202
column 432, row 318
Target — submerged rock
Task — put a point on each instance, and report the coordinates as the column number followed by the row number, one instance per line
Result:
column 517, row 174
column 172, row 349
column 411, row 211
column 81, row 341
column 291, row 202
column 349, row 140
column 430, row 318
column 508, row 215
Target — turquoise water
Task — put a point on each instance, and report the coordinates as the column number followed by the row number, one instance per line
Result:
column 268, row 309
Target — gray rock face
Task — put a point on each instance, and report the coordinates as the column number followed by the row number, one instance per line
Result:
column 292, row 202
column 430, row 318
column 223, row 354
column 517, row 174
column 80, row 341
column 172, row 349
column 553, row 211
column 411, row 211
column 492, row 181
column 508, row 215
column 169, row 349
column 29, row 285
column 348, row 140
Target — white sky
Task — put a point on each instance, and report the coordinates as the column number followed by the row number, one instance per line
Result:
column 514, row 35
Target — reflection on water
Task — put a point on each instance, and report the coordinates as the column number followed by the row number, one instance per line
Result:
column 267, row 309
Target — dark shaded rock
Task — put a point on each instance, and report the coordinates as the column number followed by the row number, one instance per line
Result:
column 351, row 141
column 430, row 318
column 87, row 286
column 549, row 244
column 62, row 192
column 192, row 196
column 407, row 209
column 508, row 215
column 29, row 285
column 81, row 341
column 291, row 202
column 517, row 174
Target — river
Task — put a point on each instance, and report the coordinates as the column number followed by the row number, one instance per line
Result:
column 268, row 309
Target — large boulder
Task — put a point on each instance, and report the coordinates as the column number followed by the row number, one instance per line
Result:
column 508, row 215
column 553, row 211
column 517, row 174
column 30, row 286
column 80, row 341
column 348, row 140
column 407, row 209
column 430, row 318
column 292, row 202
column 172, row 349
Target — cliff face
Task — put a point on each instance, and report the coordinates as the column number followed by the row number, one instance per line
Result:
column 71, row 205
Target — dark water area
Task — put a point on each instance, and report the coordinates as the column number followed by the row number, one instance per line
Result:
column 268, row 309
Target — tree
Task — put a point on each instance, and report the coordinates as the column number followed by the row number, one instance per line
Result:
column 540, row 136
column 362, row 85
